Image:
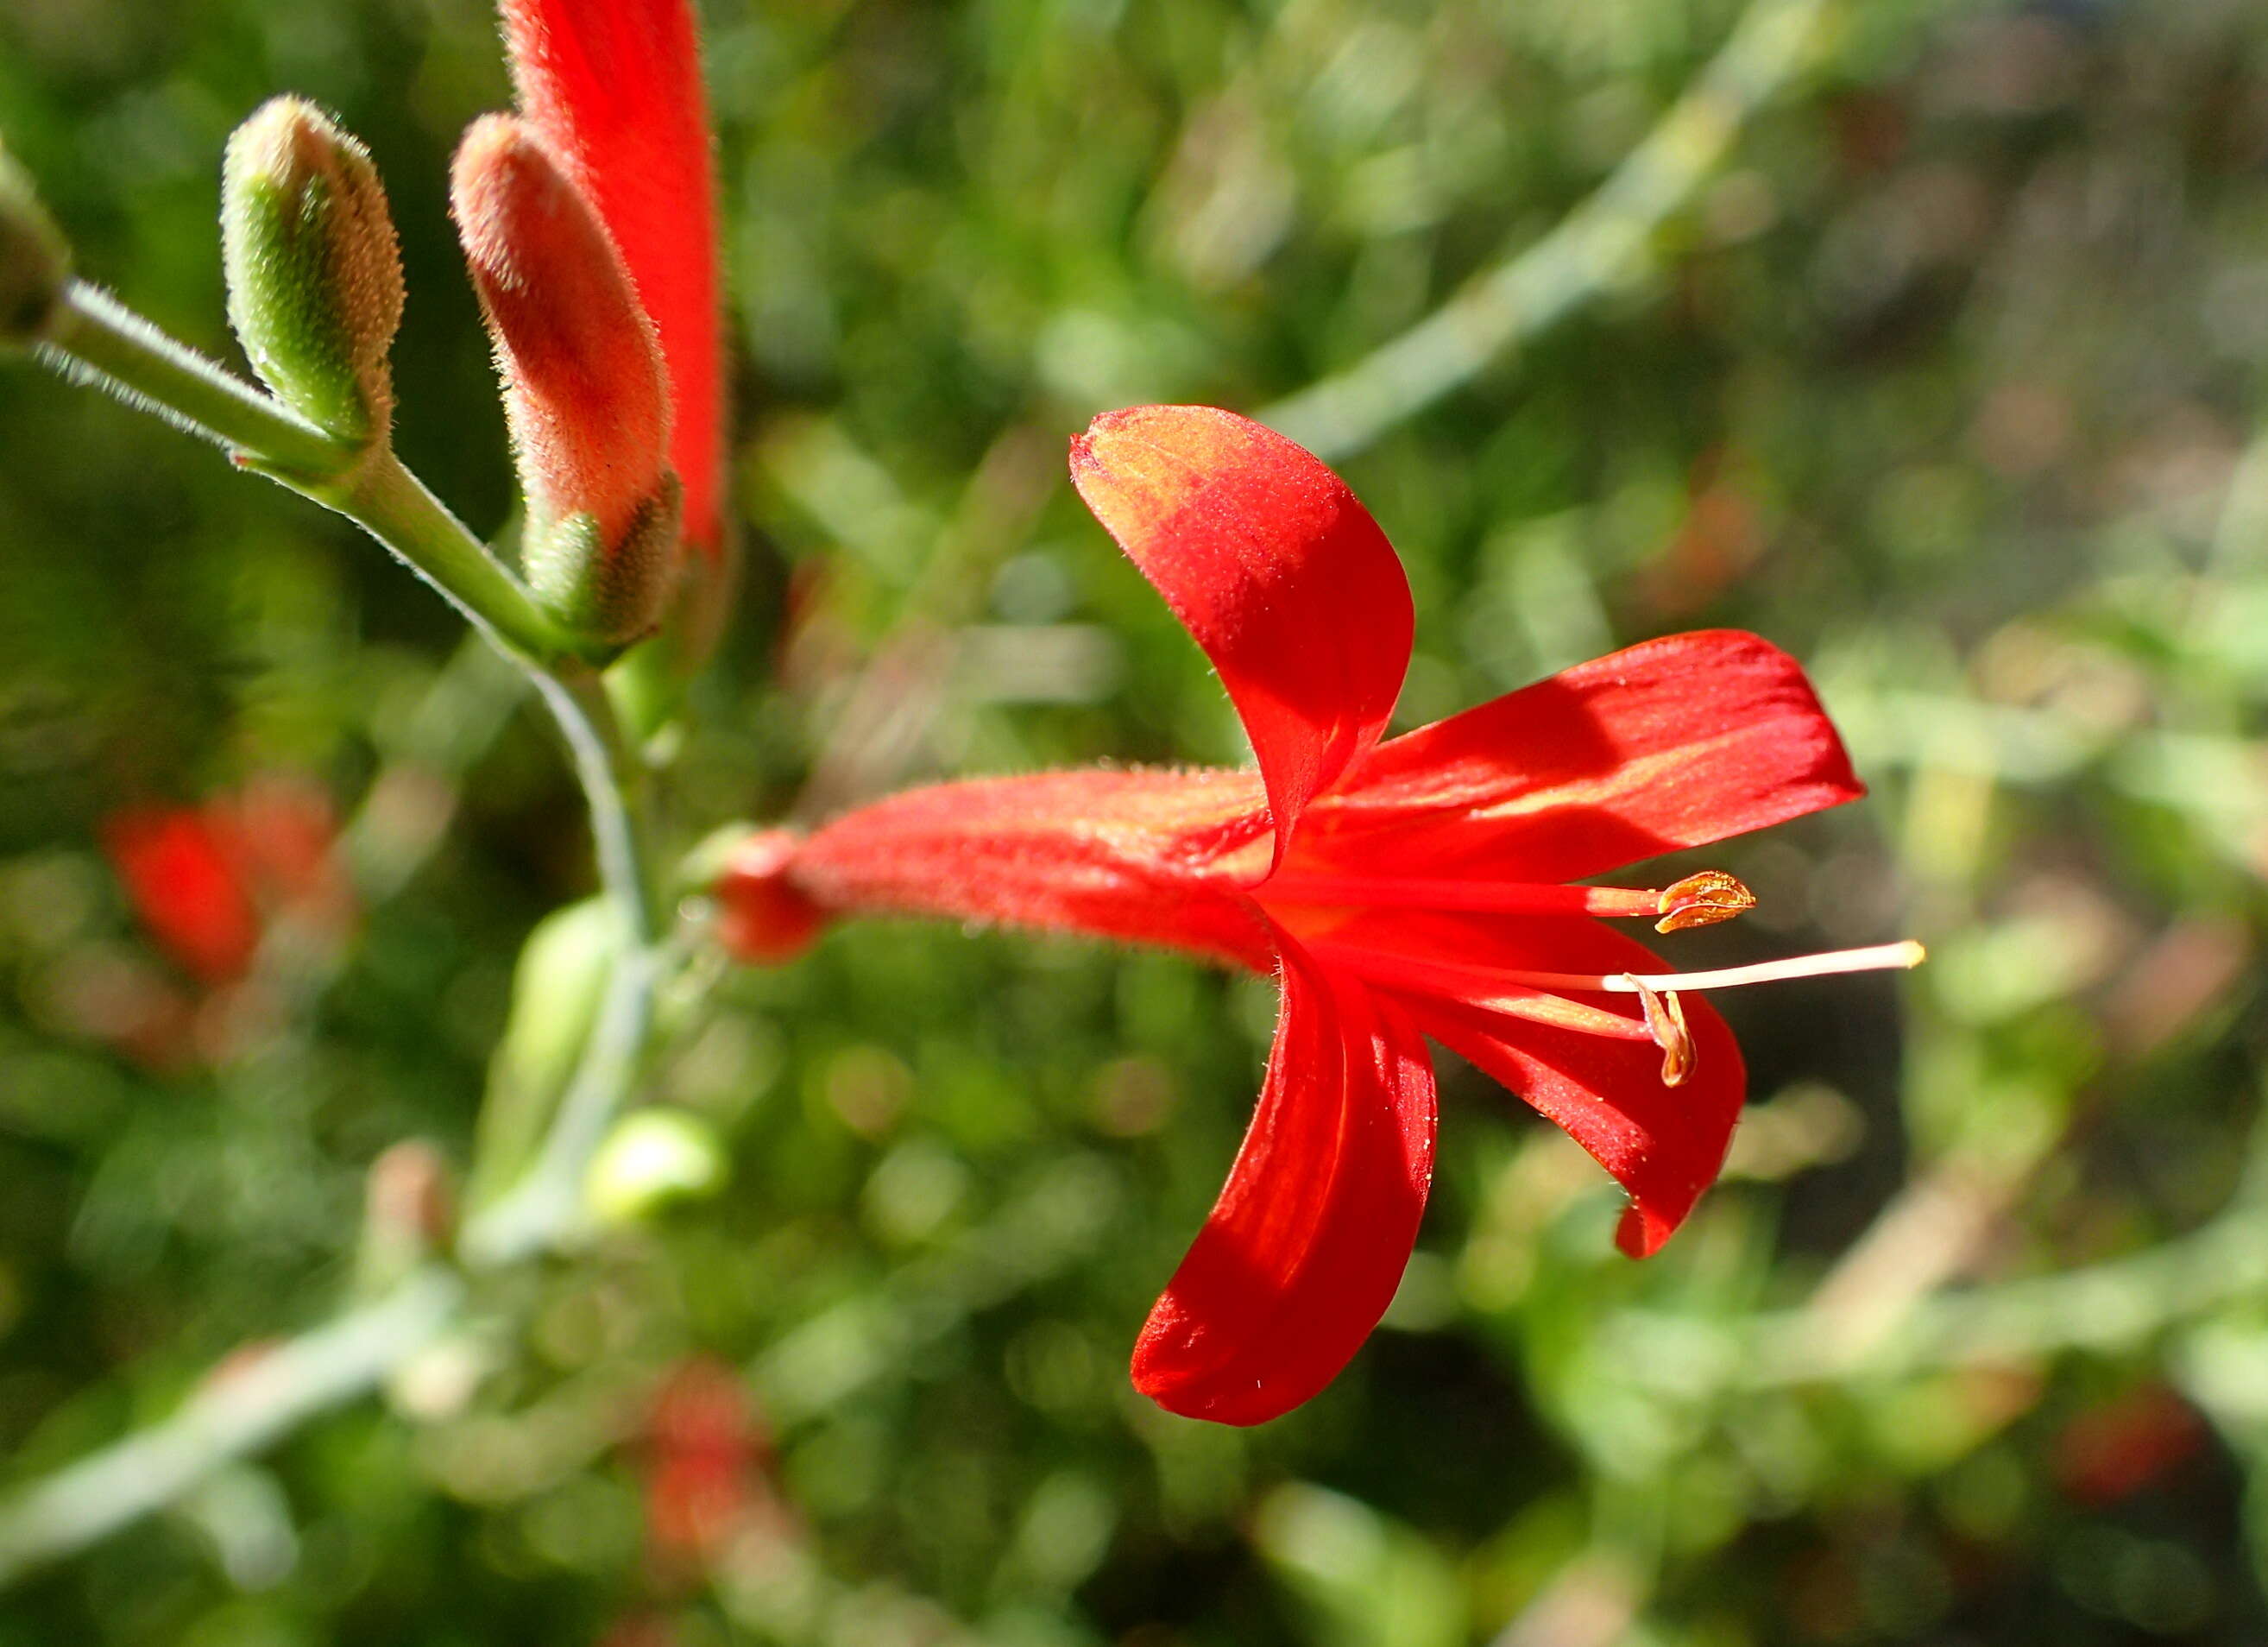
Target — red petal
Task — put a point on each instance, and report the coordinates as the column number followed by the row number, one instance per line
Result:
column 614, row 87
column 1664, row 1144
column 1274, row 569
column 587, row 398
column 1311, row 1234
column 187, row 883
column 1124, row 854
column 1673, row 743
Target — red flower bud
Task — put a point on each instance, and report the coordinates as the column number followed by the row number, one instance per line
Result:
column 585, row 388
column 614, row 86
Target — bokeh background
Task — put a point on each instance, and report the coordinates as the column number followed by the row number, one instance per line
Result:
column 1948, row 377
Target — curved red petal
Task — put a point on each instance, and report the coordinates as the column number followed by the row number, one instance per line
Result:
column 614, row 87
column 1135, row 856
column 1663, row 1144
column 1675, row 743
column 1275, row 570
column 1308, row 1240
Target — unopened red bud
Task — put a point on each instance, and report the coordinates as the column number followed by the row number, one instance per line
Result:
column 763, row 917
column 585, row 388
column 315, row 275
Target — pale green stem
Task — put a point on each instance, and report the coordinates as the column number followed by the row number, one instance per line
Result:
column 547, row 1203
column 237, row 1410
column 1598, row 246
column 135, row 360
column 394, row 507
column 122, row 351
column 238, row 1413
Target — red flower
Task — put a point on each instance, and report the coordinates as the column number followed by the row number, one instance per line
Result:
column 208, row 881
column 1398, row 889
column 184, row 878
column 614, row 86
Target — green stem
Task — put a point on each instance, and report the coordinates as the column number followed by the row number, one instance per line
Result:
column 367, row 483
column 1599, row 245
column 137, row 361
column 232, row 1414
column 547, row 1203
column 393, row 506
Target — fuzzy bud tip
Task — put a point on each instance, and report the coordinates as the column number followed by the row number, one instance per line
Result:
column 34, row 262
column 584, row 387
column 314, row 272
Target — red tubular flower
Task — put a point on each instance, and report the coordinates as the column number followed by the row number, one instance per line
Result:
column 584, row 382
column 614, row 86
column 1398, row 889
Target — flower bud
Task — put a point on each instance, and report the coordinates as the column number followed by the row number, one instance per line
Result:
column 585, row 388
column 409, row 1208
column 651, row 1157
column 314, row 276
column 34, row 262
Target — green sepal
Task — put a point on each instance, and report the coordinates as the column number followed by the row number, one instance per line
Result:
column 616, row 595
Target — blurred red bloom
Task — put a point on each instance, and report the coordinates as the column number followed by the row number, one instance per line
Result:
column 614, row 87
column 2114, row 1450
column 208, row 880
column 706, row 1456
column 1397, row 890
column 184, row 882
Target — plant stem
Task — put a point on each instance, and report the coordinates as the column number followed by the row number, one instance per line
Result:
column 547, row 1204
column 135, row 360
column 1599, row 245
column 234, row 1412
column 124, row 352
column 393, row 506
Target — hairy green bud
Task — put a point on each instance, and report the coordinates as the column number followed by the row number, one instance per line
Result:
column 315, row 275
column 34, row 262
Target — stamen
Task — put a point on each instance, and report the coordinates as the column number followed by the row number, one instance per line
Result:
column 1507, row 897
column 1481, row 990
column 1875, row 958
column 1665, row 1022
column 1703, row 900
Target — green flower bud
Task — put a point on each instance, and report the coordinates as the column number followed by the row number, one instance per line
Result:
column 651, row 1157
column 34, row 262
column 314, row 277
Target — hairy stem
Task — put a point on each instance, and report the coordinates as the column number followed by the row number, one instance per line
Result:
column 98, row 338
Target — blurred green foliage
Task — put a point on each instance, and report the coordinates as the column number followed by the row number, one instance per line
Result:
column 1950, row 382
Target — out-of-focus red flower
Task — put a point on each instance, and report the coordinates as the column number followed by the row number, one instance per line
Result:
column 185, row 881
column 614, row 87
column 2114, row 1451
column 208, row 880
column 706, row 1456
column 1397, row 890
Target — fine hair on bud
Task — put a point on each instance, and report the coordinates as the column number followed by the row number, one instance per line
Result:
column 615, row 594
column 586, row 391
column 315, row 271
column 34, row 261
